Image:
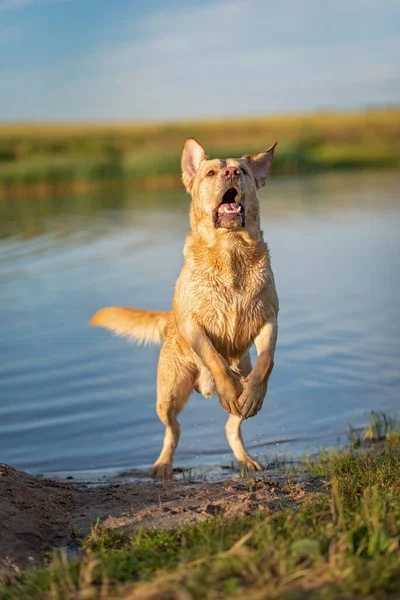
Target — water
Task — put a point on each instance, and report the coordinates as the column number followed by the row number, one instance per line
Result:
column 74, row 399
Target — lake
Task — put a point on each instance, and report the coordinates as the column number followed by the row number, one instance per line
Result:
column 76, row 401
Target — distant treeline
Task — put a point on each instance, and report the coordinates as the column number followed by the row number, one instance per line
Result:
column 45, row 157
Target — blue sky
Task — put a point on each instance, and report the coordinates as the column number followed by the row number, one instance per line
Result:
column 158, row 60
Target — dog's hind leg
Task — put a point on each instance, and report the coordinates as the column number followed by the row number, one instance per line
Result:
column 233, row 424
column 174, row 386
column 234, row 436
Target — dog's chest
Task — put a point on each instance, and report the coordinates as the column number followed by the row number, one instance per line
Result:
column 231, row 306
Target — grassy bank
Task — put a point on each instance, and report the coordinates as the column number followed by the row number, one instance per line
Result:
column 338, row 539
column 45, row 157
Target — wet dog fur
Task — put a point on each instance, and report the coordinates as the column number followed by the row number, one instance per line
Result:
column 225, row 300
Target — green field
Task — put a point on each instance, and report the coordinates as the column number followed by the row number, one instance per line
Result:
column 45, row 157
column 339, row 539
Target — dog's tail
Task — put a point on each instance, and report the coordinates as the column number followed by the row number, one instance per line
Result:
column 143, row 326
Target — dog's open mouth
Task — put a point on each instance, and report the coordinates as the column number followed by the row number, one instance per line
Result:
column 229, row 213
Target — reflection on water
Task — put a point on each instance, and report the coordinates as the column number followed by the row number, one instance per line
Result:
column 74, row 398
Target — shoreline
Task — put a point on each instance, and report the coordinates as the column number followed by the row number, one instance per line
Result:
column 43, row 189
column 44, row 158
column 332, row 527
column 40, row 514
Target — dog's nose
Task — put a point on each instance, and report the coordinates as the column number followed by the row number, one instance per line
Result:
column 231, row 172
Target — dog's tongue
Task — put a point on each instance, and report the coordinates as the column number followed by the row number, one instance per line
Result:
column 232, row 207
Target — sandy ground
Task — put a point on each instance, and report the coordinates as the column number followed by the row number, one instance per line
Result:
column 38, row 515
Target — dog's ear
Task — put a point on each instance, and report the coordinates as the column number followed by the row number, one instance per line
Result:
column 261, row 164
column 192, row 155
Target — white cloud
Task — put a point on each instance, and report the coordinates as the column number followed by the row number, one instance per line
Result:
column 226, row 58
column 233, row 57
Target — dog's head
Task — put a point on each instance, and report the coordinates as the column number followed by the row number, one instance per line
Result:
column 224, row 190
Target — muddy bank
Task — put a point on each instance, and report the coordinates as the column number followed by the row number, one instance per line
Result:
column 34, row 516
column 38, row 515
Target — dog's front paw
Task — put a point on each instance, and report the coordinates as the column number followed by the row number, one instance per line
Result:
column 252, row 398
column 161, row 471
column 229, row 393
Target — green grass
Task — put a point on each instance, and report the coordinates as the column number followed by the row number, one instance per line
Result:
column 46, row 157
column 341, row 541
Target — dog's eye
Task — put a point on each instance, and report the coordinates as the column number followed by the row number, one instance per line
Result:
column 210, row 173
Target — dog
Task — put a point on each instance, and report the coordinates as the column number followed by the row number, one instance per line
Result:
column 225, row 300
